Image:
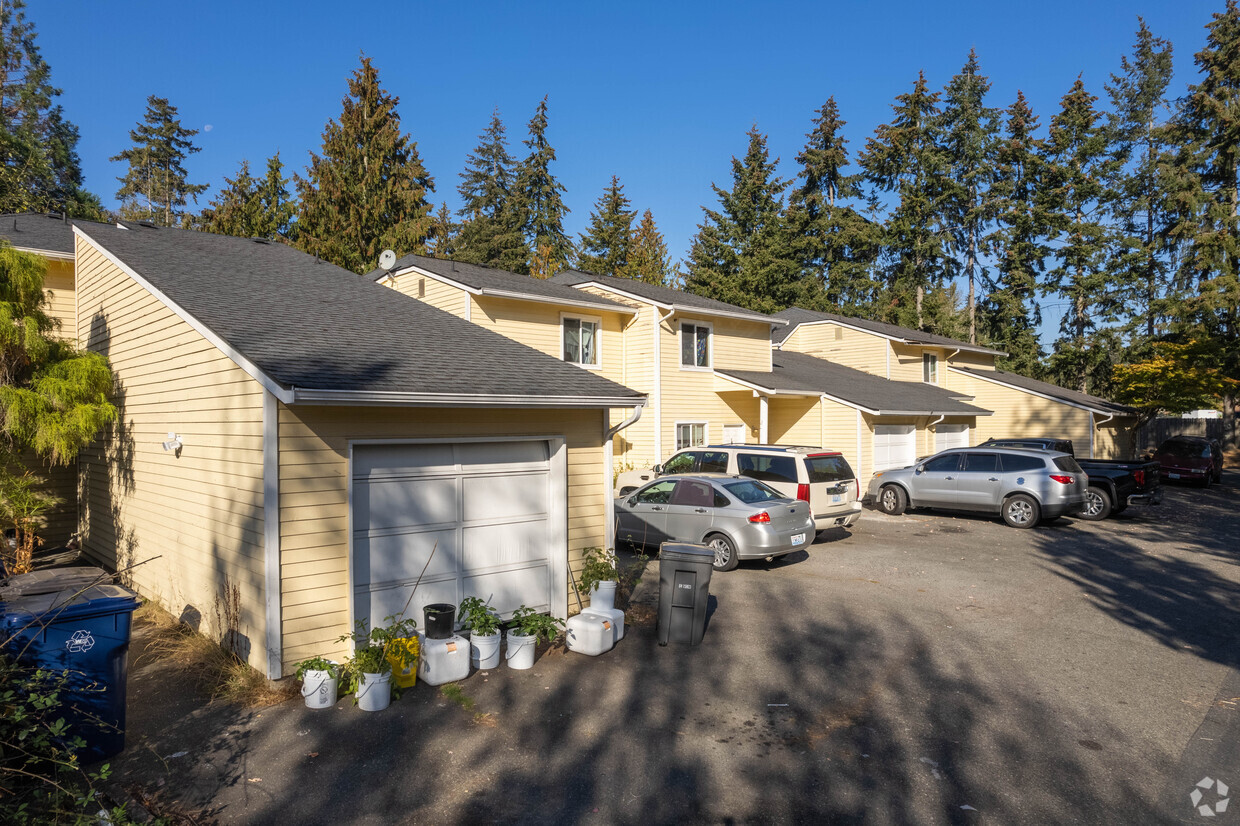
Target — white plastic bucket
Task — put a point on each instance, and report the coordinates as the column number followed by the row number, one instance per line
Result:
column 603, row 595
column 520, row 651
column 374, row 693
column 484, row 650
column 318, row 688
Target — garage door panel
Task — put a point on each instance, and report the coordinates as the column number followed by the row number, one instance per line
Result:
column 894, row 446
column 495, row 455
column 398, row 557
column 377, row 604
column 392, row 503
column 378, row 458
column 519, row 496
column 513, row 543
column 505, row 591
column 951, row 435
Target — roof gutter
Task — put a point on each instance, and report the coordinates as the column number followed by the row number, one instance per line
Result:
column 53, row 254
column 631, row 420
column 568, row 302
column 392, row 398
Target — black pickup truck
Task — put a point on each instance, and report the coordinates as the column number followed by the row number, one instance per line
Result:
column 1114, row 484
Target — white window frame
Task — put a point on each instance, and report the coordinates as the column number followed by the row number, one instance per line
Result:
column 929, row 368
column 705, row 434
column 598, row 338
column 710, row 344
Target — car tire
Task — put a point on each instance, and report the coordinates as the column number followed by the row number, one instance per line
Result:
column 1098, row 504
column 892, row 500
column 726, row 558
column 1021, row 511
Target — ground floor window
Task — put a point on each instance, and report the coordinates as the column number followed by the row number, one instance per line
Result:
column 690, row 434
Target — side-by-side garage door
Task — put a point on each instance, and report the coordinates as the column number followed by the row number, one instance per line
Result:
column 895, row 445
column 483, row 519
column 951, row 435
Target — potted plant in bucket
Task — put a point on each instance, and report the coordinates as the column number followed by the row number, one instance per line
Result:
column 483, row 627
column 528, row 627
column 399, row 639
column 368, row 670
column 319, row 681
column 599, row 577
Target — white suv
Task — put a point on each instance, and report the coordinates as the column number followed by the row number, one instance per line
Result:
column 821, row 477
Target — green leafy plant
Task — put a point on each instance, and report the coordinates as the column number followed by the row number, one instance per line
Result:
column 599, row 566
column 317, row 664
column 24, row 503
column 530, row 623
column 478, row 617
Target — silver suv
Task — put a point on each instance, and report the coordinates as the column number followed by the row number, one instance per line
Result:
column 1024, row 486
column 821, row 477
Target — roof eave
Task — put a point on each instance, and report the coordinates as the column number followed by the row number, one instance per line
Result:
column 54, row 254
column 567, row 302
column 393, row 398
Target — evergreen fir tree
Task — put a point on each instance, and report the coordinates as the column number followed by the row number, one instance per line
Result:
column 250, row 207
column 648, row 258
column 606, row 244
column 444, row 234
column 368, row 191
column 1140, row 146
column 834, row 245
column 903, row 158
column 1009, row 314
column 490, row 232
column 1074, row 167
column 538, row 204
column 276, row 207
column 156, row 187
column 39, row 166
column 741, row 253
column 1208, row 130
column 967, row 135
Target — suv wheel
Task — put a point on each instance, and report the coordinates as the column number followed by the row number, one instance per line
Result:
column 1097, row 504
column 725, row 552
column 1021, row 511
column 892, row 500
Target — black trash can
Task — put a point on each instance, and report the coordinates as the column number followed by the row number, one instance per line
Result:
column 84, row 630
column 684, row 589
column 440, row 618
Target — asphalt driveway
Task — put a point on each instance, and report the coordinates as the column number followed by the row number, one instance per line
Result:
column 920, row 669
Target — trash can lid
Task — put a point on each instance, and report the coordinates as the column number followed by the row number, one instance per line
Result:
column 686, row 552
column 52, row 580
column 70, row 603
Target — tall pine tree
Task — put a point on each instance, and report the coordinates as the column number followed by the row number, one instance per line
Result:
column 251, row 207
column 903, row 158
column 368, row 190
column 648, row 258
column 1009, row 314
column 741, row 252
column 967, row 134
column 39, row 166
column 538, row 204
column 834, row 245
column 1209, row 133
column 490, row 232
column 1073, row 194
column 156, row 187
column 606, row 244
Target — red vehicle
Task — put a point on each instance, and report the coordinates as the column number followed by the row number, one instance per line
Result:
column 1190, row 459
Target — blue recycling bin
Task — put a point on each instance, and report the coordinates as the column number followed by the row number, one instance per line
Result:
column 84, row 630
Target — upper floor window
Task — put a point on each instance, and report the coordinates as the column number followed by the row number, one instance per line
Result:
column 580, row 340
column 694, row 344
column 930, row 368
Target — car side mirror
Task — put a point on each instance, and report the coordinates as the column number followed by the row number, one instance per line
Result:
column 919, row 469
column 632, row 501
column 657, row 469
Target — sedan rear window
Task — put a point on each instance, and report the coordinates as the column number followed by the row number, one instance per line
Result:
column 828, row 469
column 767, row 468
column 751, row 491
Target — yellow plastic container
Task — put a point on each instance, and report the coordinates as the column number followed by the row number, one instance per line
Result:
column 402, row 653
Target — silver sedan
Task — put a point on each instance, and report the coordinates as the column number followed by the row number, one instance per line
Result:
column 739, row 518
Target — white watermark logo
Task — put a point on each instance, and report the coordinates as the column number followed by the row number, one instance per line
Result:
column 1220, row 797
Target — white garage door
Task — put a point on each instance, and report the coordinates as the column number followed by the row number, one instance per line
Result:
column 484, row 519
column 894, row 446
column 950, row 435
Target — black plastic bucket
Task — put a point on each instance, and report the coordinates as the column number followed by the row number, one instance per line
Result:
column 439, row 617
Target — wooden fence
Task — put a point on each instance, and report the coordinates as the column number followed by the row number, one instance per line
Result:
column 1156, row 431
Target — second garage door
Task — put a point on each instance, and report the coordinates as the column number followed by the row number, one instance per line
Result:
column 894, row 446
column 483, row 519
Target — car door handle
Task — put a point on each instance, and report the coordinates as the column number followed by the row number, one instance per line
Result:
column 699, row 510
column 949, row 478
column 993, row 479
column 656, row 508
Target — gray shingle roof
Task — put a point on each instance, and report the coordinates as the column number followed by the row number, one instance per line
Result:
column 314, row 326
column 1052, row 390
column 798, row 373
column 795, row 316
column 39, row 231
column 659, row 295
column 490, row 279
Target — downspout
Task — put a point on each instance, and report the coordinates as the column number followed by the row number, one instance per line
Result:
column 947, row 361
column 658, row 384
column 1093, row 429
column 859, row 423
column 609, row 517
column 934, row 423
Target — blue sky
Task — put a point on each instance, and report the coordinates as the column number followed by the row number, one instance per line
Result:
column 660, row 94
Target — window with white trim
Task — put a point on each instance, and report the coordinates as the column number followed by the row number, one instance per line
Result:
column 929, row 368
column 580, row 337
column 690, row 434
column 694, row 344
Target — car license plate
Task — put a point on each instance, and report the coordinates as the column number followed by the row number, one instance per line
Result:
column 837, row 497
column 1173, row 475
column 798, row 538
